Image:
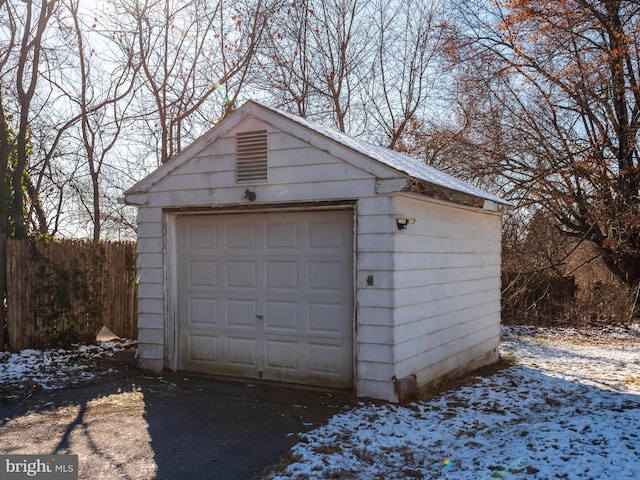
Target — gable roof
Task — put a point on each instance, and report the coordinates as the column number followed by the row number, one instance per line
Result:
column 399, row 162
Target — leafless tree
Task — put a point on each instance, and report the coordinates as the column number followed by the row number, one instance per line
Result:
column 408, row 72
column 563, row 76
column 315, row 58
column 188, row 51
column 100, row 98
column 24, row 26
column 365, row 68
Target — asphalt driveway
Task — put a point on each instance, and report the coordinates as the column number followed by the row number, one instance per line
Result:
column 140, row 426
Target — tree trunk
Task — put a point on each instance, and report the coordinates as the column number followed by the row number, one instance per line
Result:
column 3, row 289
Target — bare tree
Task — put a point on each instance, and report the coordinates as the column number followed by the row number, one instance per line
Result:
column 67, row 92
column 564, row 76
column 316, row 57
column 25, row 26
column 187, row 51
column 408, row 72
column 9, row 28
column 100, row 98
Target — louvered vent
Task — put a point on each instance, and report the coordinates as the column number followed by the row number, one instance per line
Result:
column 251, row 156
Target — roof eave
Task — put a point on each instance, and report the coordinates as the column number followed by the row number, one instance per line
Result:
column 461, row 198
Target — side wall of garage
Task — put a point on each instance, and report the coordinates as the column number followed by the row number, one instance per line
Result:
column 446, row 288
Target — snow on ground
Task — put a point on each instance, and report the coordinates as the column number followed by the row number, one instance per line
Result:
column 569, row 407
column 31, row 370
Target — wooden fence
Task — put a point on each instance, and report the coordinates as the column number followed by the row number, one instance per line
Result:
column 64, row 292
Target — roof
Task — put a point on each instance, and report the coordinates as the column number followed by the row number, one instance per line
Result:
column 396, row 161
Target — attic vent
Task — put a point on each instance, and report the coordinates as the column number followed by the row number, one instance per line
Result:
column 251, row 156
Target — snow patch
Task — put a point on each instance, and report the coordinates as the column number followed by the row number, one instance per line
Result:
column 568, row 408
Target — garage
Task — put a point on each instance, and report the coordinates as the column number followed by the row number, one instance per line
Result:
column 267, row 295
column 275, row 249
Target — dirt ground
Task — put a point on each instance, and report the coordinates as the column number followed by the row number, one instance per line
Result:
column 134, row 425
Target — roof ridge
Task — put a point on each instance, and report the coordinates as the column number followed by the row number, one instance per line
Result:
column 398, row 161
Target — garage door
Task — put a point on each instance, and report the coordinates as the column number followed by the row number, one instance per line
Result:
column 267, row 295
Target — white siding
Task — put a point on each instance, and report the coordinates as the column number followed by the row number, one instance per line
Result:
column 447, row 287
column 298, row 172
column 427, row 299
column 151, row 306
column 374, row 346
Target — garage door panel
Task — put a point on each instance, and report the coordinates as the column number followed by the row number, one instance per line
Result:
column 282, row 355
column 325, row 318
column 282, row 317
column 326, row 359
column 267, row 295
column 202, row 312
column 242, row 352
column 241, row 274
column 281, row 235
column 326, row 276
column 241, row 236
column 282, row 275
column 324, row 234
column 203, row 348
column 202, row 237
column 241, row 313
column 202, row 273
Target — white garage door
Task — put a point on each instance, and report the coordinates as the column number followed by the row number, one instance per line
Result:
column 267, row 295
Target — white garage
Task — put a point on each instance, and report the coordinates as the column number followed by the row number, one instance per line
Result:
column 273, row 248
column 267, row 295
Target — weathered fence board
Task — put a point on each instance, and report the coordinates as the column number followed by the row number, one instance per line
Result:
column 63, row 292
